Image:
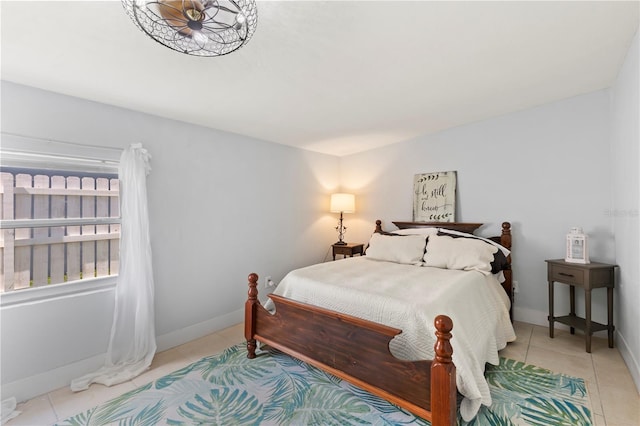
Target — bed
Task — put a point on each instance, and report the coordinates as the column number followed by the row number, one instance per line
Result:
column 407, row 356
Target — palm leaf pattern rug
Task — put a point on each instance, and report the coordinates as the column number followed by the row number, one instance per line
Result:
column 275, row 389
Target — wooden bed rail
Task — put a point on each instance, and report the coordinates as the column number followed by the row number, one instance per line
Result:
column 357, row 351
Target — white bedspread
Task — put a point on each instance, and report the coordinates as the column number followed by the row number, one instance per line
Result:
column 409, row 298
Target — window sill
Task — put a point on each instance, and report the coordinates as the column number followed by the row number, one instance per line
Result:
column 41, row 294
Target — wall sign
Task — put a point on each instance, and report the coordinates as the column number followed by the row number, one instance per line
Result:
column 434, row 197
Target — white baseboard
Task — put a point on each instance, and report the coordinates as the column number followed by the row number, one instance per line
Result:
column 530, row 316
column 629, row 358
column 192, row 332
column 30, row 387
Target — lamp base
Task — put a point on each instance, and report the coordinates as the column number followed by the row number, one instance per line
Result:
column 340, row 243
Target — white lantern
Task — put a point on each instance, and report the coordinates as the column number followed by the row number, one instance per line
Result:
column 577, row 247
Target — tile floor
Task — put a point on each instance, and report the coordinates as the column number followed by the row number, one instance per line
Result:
column 614, row 398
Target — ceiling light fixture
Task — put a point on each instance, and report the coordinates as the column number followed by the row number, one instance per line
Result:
column 196, row 27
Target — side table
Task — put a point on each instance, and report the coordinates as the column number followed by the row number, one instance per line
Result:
column 588, row 276
column 348, row 249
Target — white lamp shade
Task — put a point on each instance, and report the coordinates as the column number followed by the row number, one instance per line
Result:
column 343, row 203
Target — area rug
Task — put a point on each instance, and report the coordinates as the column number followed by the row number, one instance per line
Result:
column 275, row 389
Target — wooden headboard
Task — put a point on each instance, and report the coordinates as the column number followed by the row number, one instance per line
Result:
column 469, row 228
column 504, row 239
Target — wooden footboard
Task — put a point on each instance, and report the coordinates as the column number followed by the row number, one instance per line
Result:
column 357, row 350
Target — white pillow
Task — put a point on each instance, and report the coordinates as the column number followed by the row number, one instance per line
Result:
column 416, row 231
column 502, row 248
column 466, row 254
column 407, row 249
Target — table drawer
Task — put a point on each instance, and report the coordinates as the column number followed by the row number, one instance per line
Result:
column 566, row 274
column 343, row 250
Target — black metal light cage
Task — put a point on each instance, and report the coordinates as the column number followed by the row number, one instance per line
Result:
column 196, row 27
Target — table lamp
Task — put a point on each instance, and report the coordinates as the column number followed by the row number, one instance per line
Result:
column 342, row 203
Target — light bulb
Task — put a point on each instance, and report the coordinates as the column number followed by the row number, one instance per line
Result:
column 199, row 37
column 240, row 22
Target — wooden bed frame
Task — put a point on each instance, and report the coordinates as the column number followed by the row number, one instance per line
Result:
column 357, row 350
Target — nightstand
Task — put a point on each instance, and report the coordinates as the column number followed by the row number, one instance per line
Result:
column 588, row 276
column 348, row 249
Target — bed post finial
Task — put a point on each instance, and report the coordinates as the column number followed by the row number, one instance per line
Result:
column 250, row 315
column 443, row 375
column 505, row 238
column 378, row 226
column 443, row 348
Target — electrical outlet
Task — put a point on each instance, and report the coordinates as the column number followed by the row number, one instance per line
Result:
column 268, row 282
column 516, row 287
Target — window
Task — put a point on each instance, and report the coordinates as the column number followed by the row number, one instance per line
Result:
column 58, row 225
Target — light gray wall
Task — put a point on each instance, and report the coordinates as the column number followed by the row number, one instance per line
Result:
column 625, row 171
column 220, row 205
column 544, row 169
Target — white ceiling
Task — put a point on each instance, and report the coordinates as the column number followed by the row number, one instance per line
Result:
column 329, row 76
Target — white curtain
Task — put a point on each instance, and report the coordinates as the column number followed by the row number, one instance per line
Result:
column 132, row 344
column 8, row 409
